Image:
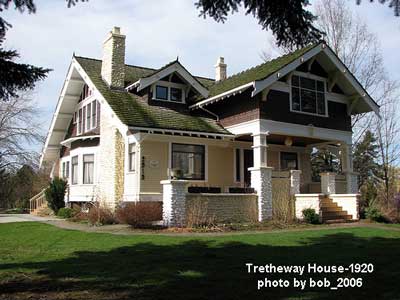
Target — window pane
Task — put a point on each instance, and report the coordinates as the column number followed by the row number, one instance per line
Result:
column 295, row 99
column 321, row 104
column 74, row 164
column 190, row 160
column 94, row 114
column 80, row 121
column 88, row 116
column 176, row 95
column 132, row 156
column 161, row 92
column 84, row 119
column 320, row 86
column 67, row 170
column 288, row 161
column 295, row 80
column 307, row 83
column 88, row 168
column 238, row 165
column 308, row 101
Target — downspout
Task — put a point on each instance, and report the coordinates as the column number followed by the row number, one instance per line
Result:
column 210, row 112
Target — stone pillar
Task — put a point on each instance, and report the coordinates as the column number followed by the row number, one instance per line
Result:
column 174, row 202
column 295, row 182
column 328, row 184
column 261, row 181
column 261, row 176
column 347, row 169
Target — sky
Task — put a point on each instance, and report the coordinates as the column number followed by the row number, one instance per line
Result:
column 157, row 32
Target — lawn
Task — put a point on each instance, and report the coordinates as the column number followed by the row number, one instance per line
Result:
column 39, row 261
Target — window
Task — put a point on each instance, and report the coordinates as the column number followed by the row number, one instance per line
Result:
column 176, row 94
column 88, row 116
column 238, row 168
column 161, row 92
column 132, row 157
column 83, row 119
column 289, row 161
column 63, row 170
column 88, row 168
column 86, row 92
column 308, row 95
column 74, row 165
column 189, row 160
column 94, row 112
column 67, row 169
column 80, row 121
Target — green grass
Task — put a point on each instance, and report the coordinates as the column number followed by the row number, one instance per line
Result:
column 39, row 261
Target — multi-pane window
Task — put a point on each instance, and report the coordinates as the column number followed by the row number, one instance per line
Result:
column 174, row 94
column 88, row 168
column 65, row 170
column 86, row 92
column 132, row 157
column 189, row 160
column 88, row 116
column 74, row 166
column 308, row 95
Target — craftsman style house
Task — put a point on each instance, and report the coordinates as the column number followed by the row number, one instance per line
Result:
column 128, row 133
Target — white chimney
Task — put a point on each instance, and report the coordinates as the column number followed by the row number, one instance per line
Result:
column 113, row 64
column 220, row 70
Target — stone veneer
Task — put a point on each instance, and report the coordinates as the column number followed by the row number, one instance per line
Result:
column 174, row 202
column 119, row 167
column 261, row 181
column 328, row 184
column 113, row 63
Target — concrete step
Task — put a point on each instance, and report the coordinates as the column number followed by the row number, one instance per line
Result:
column 336, row 217
column 331, row 208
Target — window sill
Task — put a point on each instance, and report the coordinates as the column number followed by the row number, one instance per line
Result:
column 169, row 101
column 309, row 114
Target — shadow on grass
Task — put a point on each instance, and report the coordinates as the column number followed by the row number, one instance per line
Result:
column 207, row 270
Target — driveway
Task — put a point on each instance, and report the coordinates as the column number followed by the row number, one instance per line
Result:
column 9, row 218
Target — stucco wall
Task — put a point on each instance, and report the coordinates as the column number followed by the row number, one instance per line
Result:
column 223, row 207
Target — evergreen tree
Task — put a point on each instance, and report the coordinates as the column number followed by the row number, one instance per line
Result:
column 364, row 159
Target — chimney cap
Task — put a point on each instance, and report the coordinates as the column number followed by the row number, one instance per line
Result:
column 116, row 30
column 221, row 60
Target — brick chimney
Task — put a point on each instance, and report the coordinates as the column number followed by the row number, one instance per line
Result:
column 220, row 70
column 113, row 64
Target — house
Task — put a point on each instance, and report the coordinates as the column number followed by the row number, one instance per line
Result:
column 125, row 133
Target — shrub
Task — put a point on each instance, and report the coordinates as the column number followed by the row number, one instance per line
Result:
column 100, row 214
column 139, row 214
column 197, row 215
column 55, row 194
column 310, row 216
column 374, row 214
column 65, row 213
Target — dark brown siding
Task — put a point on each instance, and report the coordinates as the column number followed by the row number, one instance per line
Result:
column 85, row 143
column 277, row 108
column 237, row 109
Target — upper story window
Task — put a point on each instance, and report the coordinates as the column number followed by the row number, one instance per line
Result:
column 132, row 157
column 308, row 96
column 88, row 116
column 86, row 92
column 169, row 91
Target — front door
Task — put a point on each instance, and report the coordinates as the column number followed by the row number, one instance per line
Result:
column 247, row 163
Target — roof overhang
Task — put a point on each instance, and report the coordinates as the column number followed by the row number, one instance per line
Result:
column 68, row 142
column 174, row 67
column 181, row 132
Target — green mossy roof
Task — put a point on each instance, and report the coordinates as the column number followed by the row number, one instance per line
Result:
column 134, row 112
column 259, row 72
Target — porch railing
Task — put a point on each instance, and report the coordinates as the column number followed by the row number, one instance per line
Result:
column 37, row 201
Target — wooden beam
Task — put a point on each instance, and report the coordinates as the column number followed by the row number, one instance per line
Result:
column 264, row 94
column 309, row 63
column 332, row 80
column 352, row 105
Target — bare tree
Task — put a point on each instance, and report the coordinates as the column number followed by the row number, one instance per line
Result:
column 20, row 130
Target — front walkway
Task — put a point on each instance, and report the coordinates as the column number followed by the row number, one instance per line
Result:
column 10, row 218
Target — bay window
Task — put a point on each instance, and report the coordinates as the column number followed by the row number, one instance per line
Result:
column 88, row 168
column 308, row 95
column 189, row 160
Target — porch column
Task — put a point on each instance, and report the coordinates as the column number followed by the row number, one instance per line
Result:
column 261, row 176
column 295, row 182
column 174, row 202
column 347, row 169
column 328, row 184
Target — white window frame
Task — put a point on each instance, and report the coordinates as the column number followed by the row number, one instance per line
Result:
column 77, row 177
column 314, row 77
column 134, row 162
column 86, row 103
column 83, row 168
column 169, row 85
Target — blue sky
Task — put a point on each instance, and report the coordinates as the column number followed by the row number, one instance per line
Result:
column 157, row 32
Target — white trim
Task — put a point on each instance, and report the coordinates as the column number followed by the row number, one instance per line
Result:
column 175, row 67
column 222, row 95
column 68, row 142
column 168, row 85
column 181, row 132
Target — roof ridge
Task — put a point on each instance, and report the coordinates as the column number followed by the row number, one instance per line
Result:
column 127, row 65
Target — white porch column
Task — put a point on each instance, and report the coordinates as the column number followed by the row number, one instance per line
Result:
column 174, row 202
column 295, row 182
column 347, row 169
column 261, row 176
column 328, row 184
